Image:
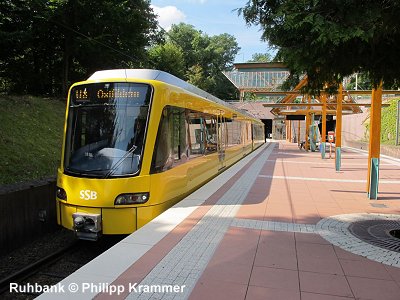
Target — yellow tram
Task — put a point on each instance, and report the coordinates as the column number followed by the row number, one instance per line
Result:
column 136, row 142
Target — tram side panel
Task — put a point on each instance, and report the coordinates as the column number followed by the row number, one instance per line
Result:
column 182, row 159
column 178, row 165
column 186, row 154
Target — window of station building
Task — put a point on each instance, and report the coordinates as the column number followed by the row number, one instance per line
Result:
column 171, row 143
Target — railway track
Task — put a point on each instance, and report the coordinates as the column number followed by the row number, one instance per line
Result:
column 53, row 268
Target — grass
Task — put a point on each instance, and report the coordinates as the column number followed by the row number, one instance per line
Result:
column 389, row 142
column 31, row 131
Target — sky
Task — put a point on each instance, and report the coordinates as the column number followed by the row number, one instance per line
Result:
column 213, row 17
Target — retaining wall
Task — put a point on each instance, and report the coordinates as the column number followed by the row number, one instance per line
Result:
column 393, row 151
column 27, row 211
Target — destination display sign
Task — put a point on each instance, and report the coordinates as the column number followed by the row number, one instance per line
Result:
column 109, row 92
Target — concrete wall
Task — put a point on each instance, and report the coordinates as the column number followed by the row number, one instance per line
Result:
column 393, row 151
column 353, row 131
column 27, row 211
column 353, row 128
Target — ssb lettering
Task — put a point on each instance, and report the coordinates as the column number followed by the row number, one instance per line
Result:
column 88, row 195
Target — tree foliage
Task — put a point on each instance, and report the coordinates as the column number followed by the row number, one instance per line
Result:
column 168, row 57
column 331, row 39
column 260, row 57
column 363, row 82
column 204, row 58
column 46, row 45
column 389, row 121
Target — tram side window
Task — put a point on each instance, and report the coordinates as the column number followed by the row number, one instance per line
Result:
column 234, row 132
column 196, row 133
column 202, row 133
column 171, row 145
column 248, row 128
column 245, row 132
column 258, row 133
column 229, row 131
column 211, row 134
column 179, row 143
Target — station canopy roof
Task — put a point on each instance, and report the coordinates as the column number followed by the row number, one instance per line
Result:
column 258, row 77
column 267, row 78
column 296, row 104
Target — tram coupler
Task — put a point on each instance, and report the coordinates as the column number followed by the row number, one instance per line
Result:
column 87, row 226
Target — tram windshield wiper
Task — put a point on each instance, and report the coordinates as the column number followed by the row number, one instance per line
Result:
column 120, row 161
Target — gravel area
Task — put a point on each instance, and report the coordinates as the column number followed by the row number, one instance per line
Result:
column 80, row 254
column 32, row 252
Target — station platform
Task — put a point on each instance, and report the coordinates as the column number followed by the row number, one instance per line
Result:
column 273, row 226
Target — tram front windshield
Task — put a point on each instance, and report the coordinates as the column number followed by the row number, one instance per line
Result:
column 106, row 129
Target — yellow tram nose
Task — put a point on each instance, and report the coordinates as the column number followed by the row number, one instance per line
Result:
column 92, row 207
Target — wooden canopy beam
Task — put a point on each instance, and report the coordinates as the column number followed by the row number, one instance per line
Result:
column 319, row 104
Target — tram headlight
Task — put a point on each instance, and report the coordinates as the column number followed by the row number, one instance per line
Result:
column 136, row 198
column 61, row 194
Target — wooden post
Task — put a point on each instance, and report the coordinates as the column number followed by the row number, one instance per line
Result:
column 241, row 96
column 286, row 130
column 298, row 133
column 374, row 143
column 313, row 133
column 308, row 122
column 338, row 141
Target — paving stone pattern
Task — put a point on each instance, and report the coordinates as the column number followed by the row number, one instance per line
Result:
column 185, row 263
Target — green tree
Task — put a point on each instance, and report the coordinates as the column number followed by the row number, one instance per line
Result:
column 363, row 82
column 188, row 38
column 46, row 45
column 331, row 39
column 169, row 58
column 205, row 58
column 29, row 47
column 389, row 121
column 260, row 57
column 196, row 76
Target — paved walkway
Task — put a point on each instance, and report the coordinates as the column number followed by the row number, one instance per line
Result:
column 274, row 226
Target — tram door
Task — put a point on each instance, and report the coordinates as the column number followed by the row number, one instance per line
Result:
column 222, row 140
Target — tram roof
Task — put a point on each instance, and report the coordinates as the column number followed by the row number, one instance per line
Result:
column 150, row 74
